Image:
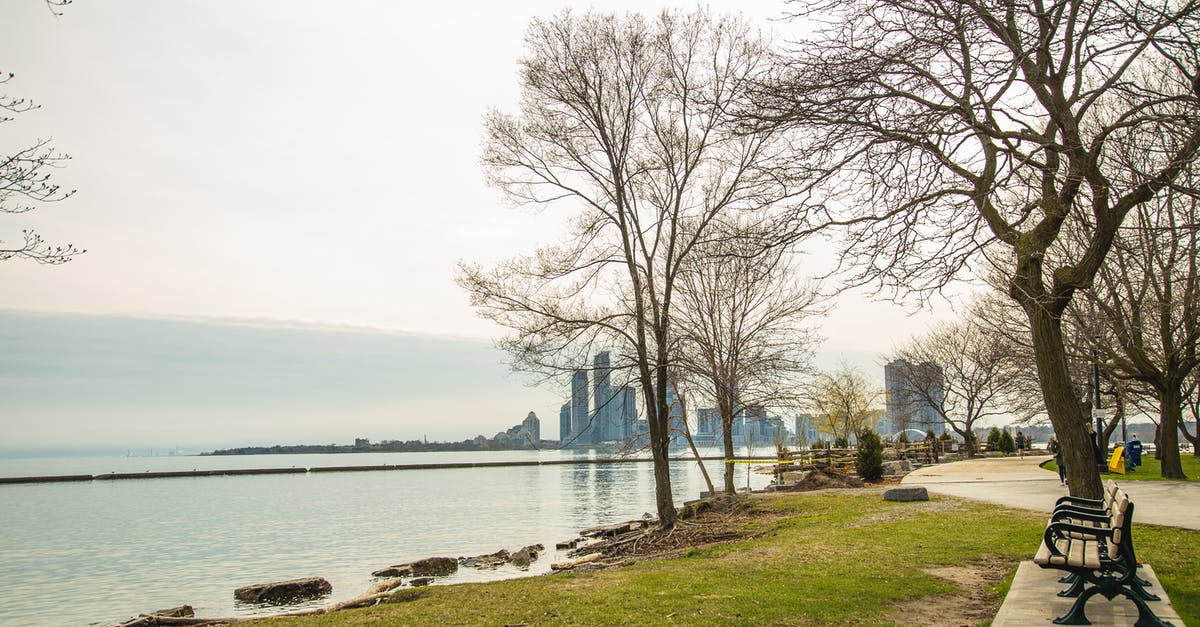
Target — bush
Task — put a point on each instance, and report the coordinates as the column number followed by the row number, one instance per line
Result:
column 841, row 442
column 1007, row 444
column 869, row 462
column 903, row 438
column 993, row 439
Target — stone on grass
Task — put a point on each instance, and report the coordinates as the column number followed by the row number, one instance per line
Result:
column 284, row 592
column 907, row 493
column 420, row 581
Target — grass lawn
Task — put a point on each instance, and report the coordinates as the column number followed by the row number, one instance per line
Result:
column 844, row 557
column 1151, row 469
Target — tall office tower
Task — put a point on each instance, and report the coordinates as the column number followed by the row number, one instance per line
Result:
column 629, row 413
column 676, row 410
column 533, row 427
column 564, row 424
column 910, row 388
column 605, row 416
column 708, row 421
column 580, row 420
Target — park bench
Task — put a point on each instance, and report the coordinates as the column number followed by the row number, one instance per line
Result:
column 1092, row 541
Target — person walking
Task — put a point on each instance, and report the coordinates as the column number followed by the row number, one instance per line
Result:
column 1133, row 452
column 1056, row 450
column 1021, row 444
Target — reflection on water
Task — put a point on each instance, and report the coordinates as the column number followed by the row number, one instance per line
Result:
column 124, row 547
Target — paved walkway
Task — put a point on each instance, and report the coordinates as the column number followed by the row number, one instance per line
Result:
column 1020, row 483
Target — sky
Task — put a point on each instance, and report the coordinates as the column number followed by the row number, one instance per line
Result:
column 283, row 167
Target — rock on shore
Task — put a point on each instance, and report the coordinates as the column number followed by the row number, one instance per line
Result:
column 283, row 592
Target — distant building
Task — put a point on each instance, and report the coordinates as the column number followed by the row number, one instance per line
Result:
column 607, row 415
column 532, row 427
column 628, row 416
column 806, row 429
column 580, row 417
column 708, row 422
column 676, row 415
column 909, row 388
column 361, row 443
column 564, row 423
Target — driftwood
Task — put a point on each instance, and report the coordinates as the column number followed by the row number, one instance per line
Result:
column 152, row 620
column 594, row 557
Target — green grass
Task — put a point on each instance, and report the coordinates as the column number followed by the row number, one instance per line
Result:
column 834, row 558
column 1151, row 469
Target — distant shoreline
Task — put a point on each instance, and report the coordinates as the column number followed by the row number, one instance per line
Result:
column 412, row 446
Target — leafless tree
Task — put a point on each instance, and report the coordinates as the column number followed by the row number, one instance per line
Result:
column 742, row 323
column 621, row 119
column 973, row 378
column 25, row 181
column 1146, row 308
column 842, row 400
column 941, row 128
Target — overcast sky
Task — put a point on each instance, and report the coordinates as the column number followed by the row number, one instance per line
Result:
column 312, row 162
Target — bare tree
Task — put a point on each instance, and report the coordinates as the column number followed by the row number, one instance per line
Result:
column 1146, row 308
column 25, row 181
column 941, row 128
column 1192, row 401
column 973, row 378
column 843, row 400
column 621, row 119
column 741, row 324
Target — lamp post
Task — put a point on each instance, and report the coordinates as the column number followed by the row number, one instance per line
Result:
column 1098, row 411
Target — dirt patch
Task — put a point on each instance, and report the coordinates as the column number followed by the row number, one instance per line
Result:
column 974, row 604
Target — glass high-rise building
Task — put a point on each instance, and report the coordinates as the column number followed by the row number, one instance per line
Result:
column 580, row 417
column 912, row 390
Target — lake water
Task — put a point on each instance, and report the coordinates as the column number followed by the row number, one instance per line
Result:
column 102, row 551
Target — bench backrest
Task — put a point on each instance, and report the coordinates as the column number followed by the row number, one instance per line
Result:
column 1122, row 517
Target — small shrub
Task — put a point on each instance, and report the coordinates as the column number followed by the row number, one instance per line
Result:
column 869, row 462
column 1007, row 444
column 903, row 437
column 993, row 439
column 841, row 442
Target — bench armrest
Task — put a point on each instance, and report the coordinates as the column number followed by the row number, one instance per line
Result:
column 1080, row 512
column 1079, row 500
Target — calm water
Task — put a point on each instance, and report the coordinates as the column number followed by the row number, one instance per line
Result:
column 103, row 551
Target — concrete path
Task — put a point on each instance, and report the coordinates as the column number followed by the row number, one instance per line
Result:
column 1020, row 483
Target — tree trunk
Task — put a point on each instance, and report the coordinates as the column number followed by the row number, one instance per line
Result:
column 1062, row 403
column 659, row 440
column 726, row 409
column 1171, row 408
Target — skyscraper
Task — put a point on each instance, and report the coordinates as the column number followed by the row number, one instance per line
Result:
column 580, row 418
column 912, row 390
column 605, row 419
column 533, row 427
column 629, row 413
column 564, row 423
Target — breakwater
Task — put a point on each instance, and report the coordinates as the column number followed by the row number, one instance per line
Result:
column 112, row 476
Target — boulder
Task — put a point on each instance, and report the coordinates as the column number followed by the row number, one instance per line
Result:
column 526, row 555
column 569, row 544
column 434, row 567
column 398, row 570
column 420, row 581
column 491, row 560
column 284, row 592
column 907, row 493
